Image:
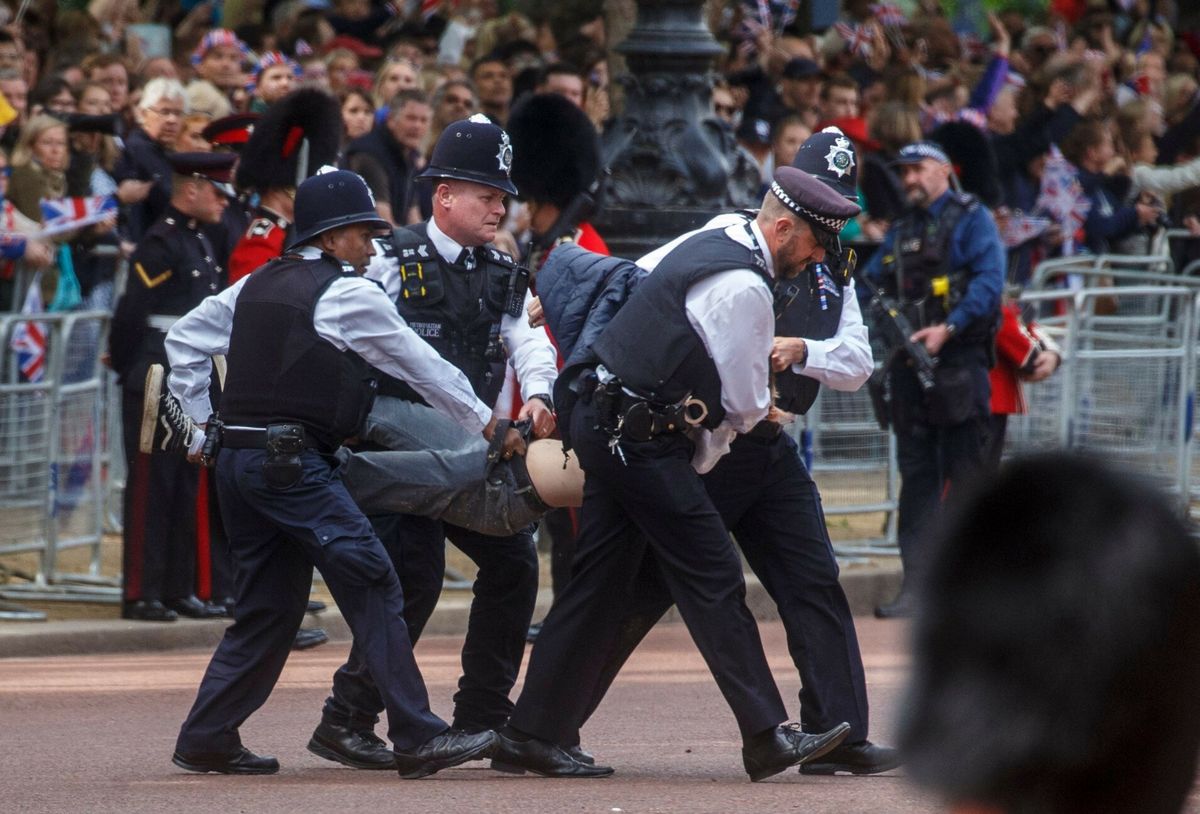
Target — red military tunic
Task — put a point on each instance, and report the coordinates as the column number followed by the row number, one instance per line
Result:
column 263, row 241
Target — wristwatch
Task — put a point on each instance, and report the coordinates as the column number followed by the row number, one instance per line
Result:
column 545, row 398
column 951, row 329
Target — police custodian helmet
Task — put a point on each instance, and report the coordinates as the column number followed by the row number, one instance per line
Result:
column 829, row 156
column 476, row 150
column 330, row 199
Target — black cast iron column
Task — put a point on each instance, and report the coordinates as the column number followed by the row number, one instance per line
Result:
column 672, row 165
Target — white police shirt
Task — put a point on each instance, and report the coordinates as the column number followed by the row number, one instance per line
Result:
column 530, row 351
column 732, row 312
column 352, row 314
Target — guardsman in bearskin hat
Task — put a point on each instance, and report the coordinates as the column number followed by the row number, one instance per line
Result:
column 467, row 299
column 303, row 126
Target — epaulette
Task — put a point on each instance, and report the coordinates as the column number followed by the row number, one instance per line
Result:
column 501, row 258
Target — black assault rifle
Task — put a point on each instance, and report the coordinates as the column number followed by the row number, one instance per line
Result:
column 897, row 332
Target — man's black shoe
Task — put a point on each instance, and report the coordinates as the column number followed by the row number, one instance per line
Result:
column 148, row 610
column 863, row 757
column 902, row 607
column 315, row 606
column 787, row 745
column 308, row 637
column 241, row 762
column 577, row 752
column 193, row 608
column 450, row 748
column 359, row 750
column 542, row 758
column 165, row 427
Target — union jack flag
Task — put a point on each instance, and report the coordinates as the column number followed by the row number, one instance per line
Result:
column 888, row 14
column 29, row 338
column 65, row 214
column 857, row 38
column 1062, row 197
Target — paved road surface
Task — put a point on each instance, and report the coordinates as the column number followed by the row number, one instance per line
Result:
column 95, row 733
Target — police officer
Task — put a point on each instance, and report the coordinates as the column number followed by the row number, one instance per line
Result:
column 675, row 379
column 467, row 299
column 291, row 329
column 767, row 498
column 944, row 262
column 173, row 269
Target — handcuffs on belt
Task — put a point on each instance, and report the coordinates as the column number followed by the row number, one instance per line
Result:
column 638, row 419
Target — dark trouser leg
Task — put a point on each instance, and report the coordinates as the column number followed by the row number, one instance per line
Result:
column 316, row 523
column 658, row 490
column 920, row 493
column 561, row 525
column 997, row 430
column 786, row 542
column 416, row 547
column 505, row 591
column 159, row 534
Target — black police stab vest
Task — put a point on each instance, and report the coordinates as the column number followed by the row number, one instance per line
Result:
column 814, row 313
column 280, row 369
column 921, row 254
column 652, row 347
column 456, row 311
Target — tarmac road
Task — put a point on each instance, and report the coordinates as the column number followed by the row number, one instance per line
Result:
column 95, row 734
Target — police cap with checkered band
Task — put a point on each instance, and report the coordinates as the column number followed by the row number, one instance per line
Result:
column 476, row 150
column 816, row 203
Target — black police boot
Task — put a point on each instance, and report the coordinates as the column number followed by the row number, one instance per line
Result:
column 193, row 608
column 165, row 427
column 515, row 754
column 450, row 748
column 350, row 747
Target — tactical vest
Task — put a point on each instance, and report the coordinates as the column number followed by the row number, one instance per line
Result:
column 280, row 369
column 809, row 307
column 457, row 311
column 652, row 347
column 918, row 274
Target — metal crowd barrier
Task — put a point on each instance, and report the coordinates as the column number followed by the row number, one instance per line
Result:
column 1127, row 383
column 54, row 444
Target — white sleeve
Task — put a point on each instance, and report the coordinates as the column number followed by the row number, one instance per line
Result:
column 843, row 361
column 384, row 270
column 1167, row 180
column 355, row 314
column 731, row 312
column 530, row 352
column 191, row 343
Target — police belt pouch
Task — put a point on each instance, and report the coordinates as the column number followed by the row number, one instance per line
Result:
column 952, row 399
column 282, row 468
column 637, row 419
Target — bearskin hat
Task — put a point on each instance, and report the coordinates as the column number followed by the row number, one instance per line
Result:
column 974, row 159
column 556, row 152
column 272, row 153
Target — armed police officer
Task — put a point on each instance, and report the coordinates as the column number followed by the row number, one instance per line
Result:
column 767, row 498
column 466, row 299
column 943, row 262
column 680, row 369
column 301, row 335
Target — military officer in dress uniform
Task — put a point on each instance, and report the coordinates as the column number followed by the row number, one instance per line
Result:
column 467, row 299
column 173, row 269
column 676, row 377
column 302, row 335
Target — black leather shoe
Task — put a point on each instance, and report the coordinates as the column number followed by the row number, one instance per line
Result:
column 542, row 758
column 787, row 745
column 442, row 751
column 359, row 750
column 577, row 752
column 241, row 762
column 315, row 606
column 148, row 610
column 902, row 607
column 192, row 608
column 863, row 757
column 219, row 609
column 307, row 637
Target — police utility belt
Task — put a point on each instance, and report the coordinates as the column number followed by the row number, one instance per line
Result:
column 625, row 415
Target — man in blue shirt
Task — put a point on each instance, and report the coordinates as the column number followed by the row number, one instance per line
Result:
column 943, row 261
